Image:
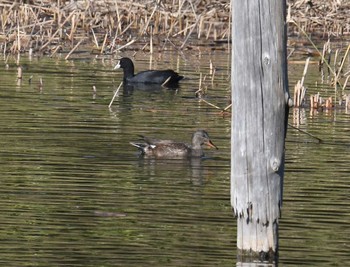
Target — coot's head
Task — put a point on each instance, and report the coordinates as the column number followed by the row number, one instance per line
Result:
column 127, row 66
column 124, row 63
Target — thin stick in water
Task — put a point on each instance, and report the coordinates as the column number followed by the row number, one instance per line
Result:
column 166, row 81
column 307, row 133
column 115, row 95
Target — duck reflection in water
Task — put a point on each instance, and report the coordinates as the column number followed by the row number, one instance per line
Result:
column 192, row 170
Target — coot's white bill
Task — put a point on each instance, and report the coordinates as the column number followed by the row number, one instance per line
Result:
column 117, row 66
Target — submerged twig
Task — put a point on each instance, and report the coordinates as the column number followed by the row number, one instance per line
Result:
column 307, row 133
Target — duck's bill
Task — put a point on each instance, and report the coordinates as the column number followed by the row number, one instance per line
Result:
column 117, row 66
column 211, row 144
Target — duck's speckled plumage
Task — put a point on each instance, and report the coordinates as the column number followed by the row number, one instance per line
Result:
column 171, row 149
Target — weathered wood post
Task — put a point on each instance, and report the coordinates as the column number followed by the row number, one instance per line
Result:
column 259, row 122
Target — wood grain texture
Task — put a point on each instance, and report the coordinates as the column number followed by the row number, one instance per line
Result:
column 259, row 118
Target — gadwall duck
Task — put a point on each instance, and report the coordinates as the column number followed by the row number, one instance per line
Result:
column 163, row 77
column 171, row 149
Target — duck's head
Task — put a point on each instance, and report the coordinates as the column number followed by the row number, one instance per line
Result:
column 200, row 138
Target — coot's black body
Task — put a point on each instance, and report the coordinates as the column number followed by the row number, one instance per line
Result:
column 163, row 77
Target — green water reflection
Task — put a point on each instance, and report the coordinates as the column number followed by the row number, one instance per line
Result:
column 75, row 193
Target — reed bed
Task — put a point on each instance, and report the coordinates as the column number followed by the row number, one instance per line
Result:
column 109, row 25
column 334, row 73
column 320, row 17
column 106, row 26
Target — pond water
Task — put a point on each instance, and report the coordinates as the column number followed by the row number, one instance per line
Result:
column 74, row 192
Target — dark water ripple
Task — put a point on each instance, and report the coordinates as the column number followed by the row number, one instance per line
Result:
column 75, row 193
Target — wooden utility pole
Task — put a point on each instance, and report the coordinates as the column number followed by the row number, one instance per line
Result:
column 260, row 105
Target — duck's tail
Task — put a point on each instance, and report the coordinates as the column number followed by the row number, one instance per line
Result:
column 138, row 145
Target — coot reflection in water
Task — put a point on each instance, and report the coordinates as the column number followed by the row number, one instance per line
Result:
column 130, row 88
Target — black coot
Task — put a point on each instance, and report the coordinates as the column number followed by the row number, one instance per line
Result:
column 164, row 77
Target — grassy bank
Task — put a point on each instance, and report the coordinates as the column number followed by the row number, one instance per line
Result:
column 105, row 26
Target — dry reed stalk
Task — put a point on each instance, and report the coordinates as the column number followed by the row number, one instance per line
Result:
column 299, row 89
column 4, row 50
column 335, row 73
column 210, row 104
column 74, row 48
column 57, row 31
column 119, row 27
column 335, row 60
column 325, row 50
column 144, row 47
column 341, row 67
column 104, row 43
column 114, row 41
column 151, row 41
column 55, row 50
column 215, row 35
column 149, row 19
column 200, row 27
column 126, row 45
column 305, row 70
column 208, row 32
column 115, row 95
column 347, row 101
column 329, row 103
column 19, row 73
column 18, row 39
column 229, row 106
column 315, row 101
column 95, row 40
column 315, row 47
column 166, row 81
column 336, row 78
column 183, row 30
column 73, row 27
column 188, row 36
column 212, row 71
column 156, row 24
column 345, row 83
column 40, row 84
column 127, row 27
column 97, row 15
column 298, row 93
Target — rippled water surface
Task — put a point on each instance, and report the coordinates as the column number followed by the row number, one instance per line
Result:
column 74, row 191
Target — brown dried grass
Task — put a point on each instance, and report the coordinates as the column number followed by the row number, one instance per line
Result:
column 106, row 25
column 320, row 17
column 109, row 24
